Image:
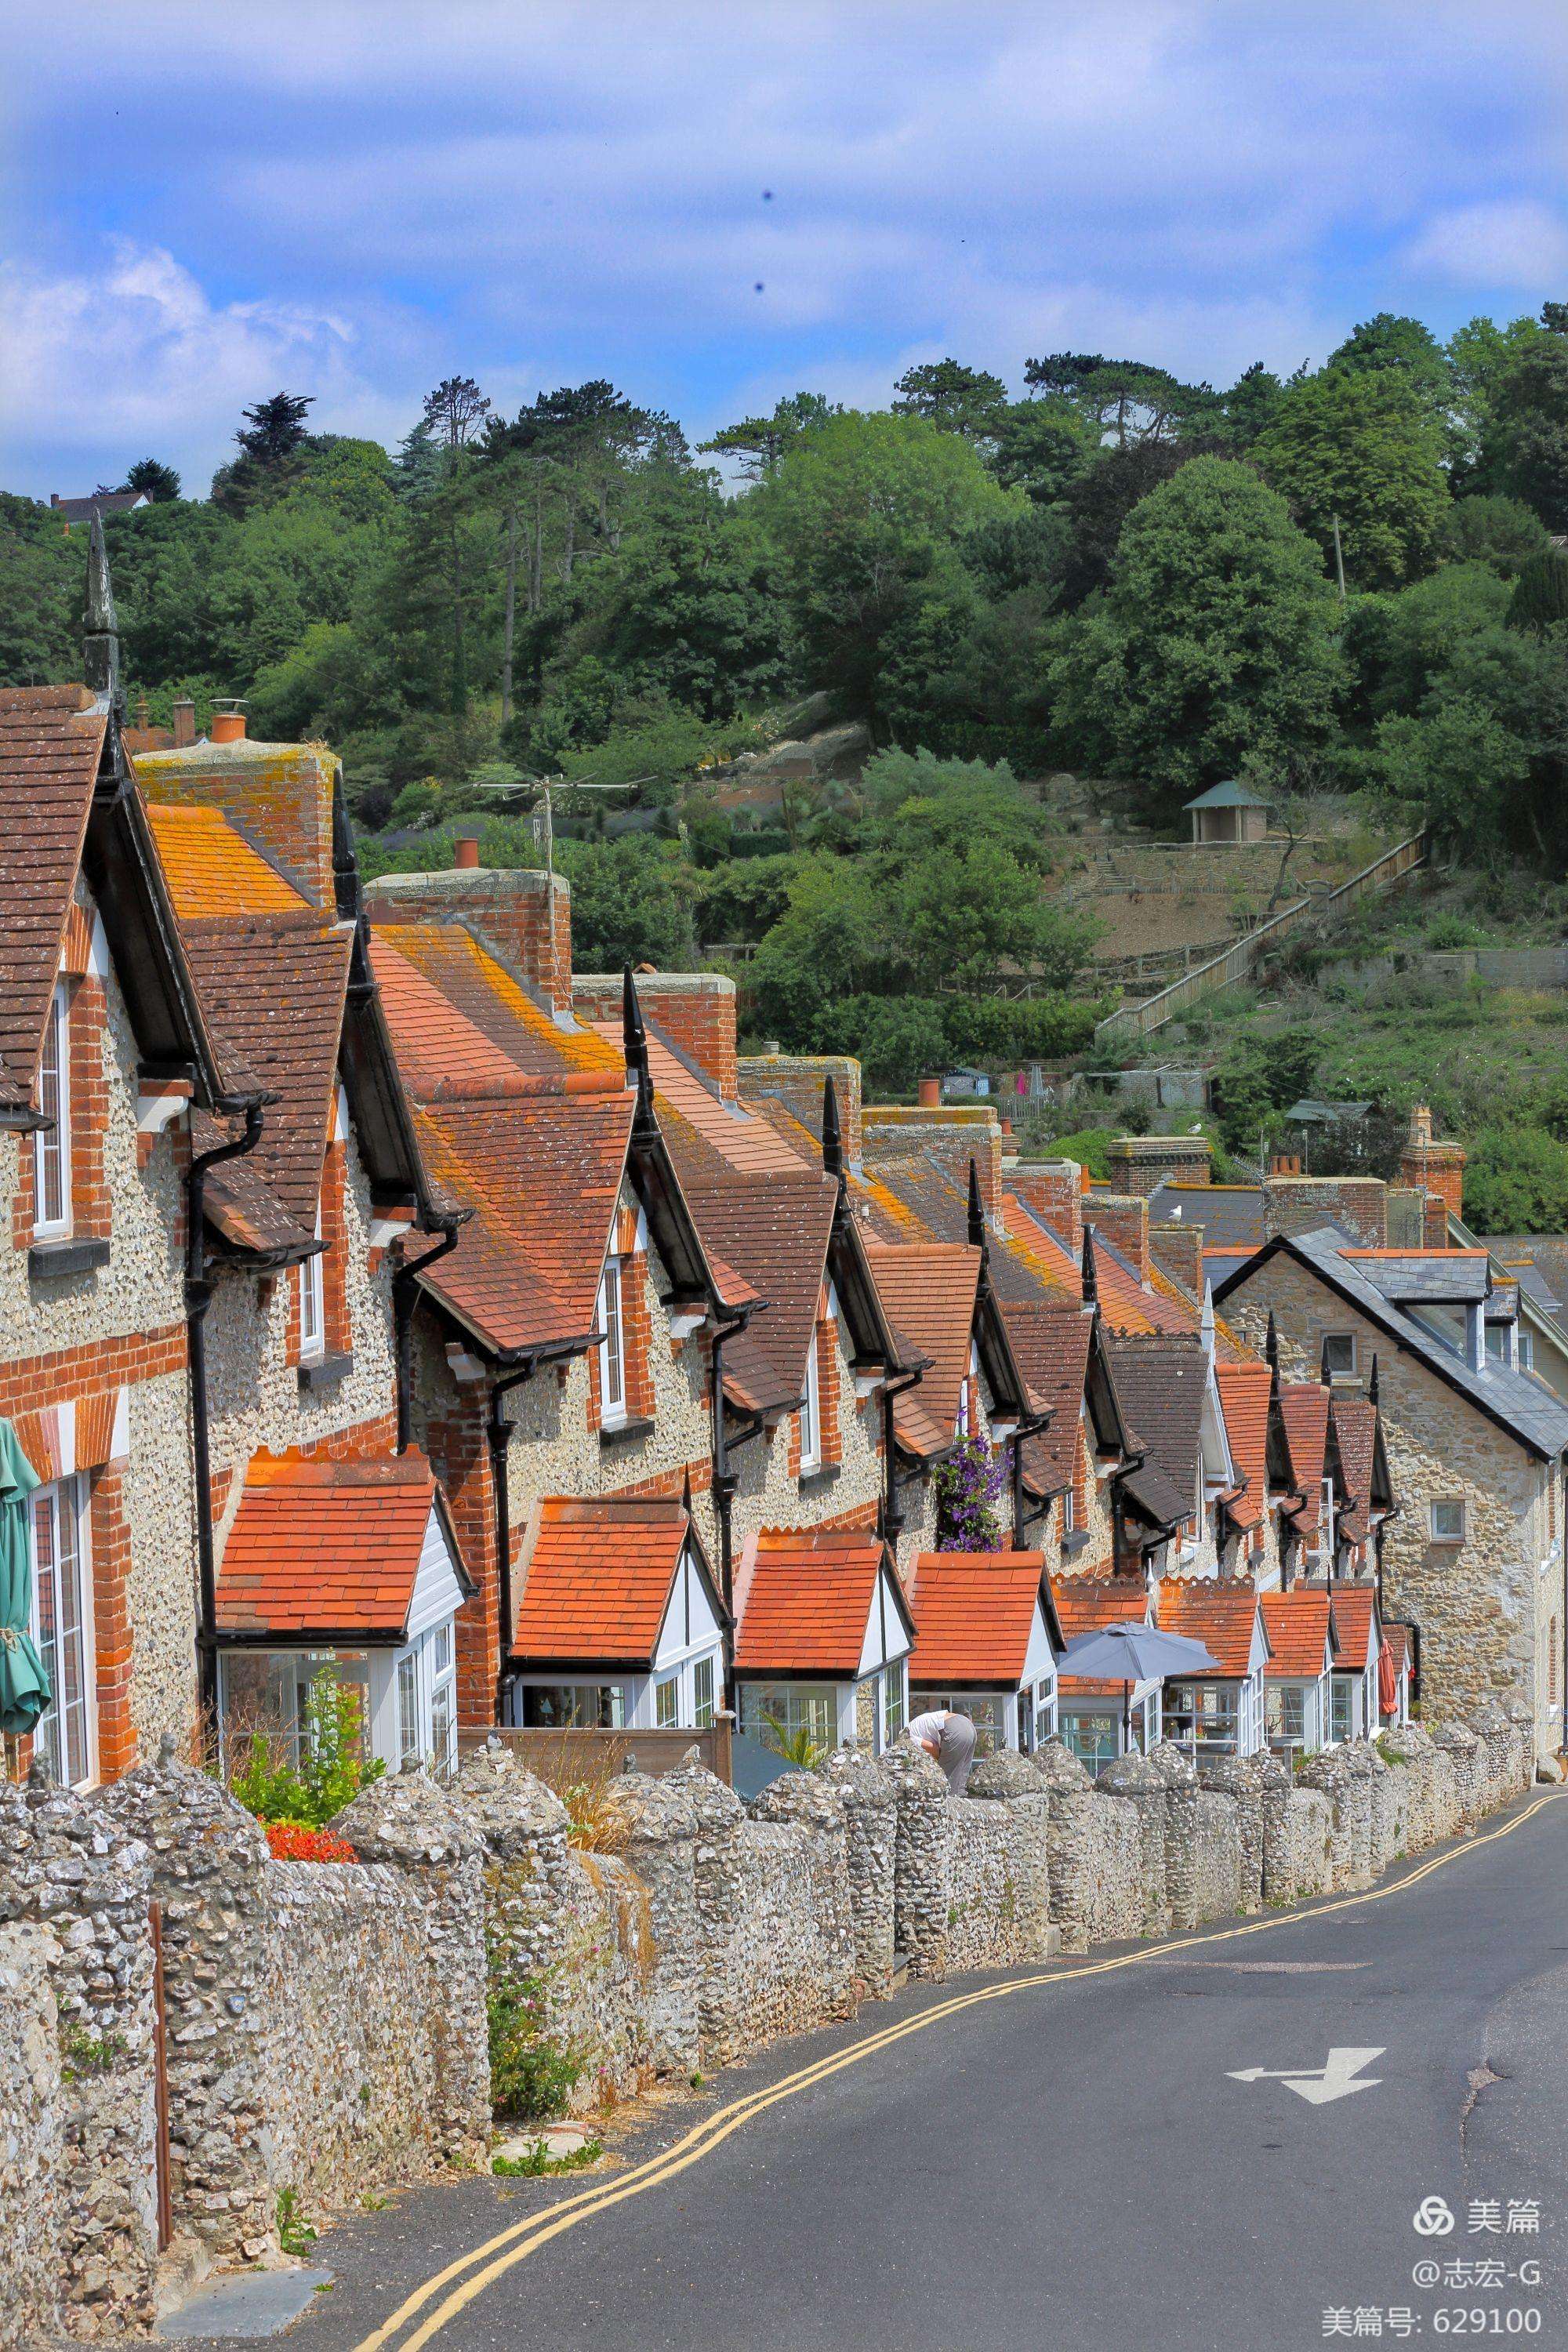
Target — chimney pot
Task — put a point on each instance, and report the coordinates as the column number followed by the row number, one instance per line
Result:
column 466, row 852
column 228, row 722
column 930, row 1094
column 185, row 718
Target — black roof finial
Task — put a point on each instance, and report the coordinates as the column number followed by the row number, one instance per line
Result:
column 100, row 630
column 977, row 1209
column 634, row 1041
column 1271, row 1343
column 1091, row 1280
column 1371, row 1383
column 832, row 1137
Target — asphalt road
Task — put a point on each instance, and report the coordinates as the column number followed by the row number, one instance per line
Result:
column 1073, row 2164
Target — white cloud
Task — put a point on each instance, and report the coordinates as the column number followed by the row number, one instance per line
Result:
column 1515, row 241
column 134, row 357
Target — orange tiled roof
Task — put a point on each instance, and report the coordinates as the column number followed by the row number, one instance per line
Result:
column 1221, row 1612
column 51, row 741
column 748, row 1144
column 543, row 1176
column 484, row 993
column 1244, row 1394
column 927, row 1291
column 597, row 1581
column 1051, row 1345
column 804, row 1603
column 1355, row 1615
column 973, row 1614
column 1304, row 1406
column 1398, row 1639
column 1298, row 1625
column 321, row 1546
column 212, row 870
column 1086, row 1604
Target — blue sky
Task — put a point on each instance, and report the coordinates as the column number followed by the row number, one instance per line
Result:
column 206, row 200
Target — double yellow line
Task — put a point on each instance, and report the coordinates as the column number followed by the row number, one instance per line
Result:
column 502, row 2252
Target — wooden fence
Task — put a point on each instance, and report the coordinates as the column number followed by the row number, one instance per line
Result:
column 1239, row 960
column 562, row 1757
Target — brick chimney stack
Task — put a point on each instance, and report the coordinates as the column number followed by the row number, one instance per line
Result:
column 1053, row 1189
column 1438, row 1172
column 1141, row 1163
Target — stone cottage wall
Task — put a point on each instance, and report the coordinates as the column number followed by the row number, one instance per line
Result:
column 31, row 2136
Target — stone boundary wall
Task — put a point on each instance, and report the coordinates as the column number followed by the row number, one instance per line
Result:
column 325, row 2024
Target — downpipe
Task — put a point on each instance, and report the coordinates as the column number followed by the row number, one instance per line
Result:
column 198, row 1299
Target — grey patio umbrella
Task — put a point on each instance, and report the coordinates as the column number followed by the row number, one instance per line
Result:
column 1135, row 1654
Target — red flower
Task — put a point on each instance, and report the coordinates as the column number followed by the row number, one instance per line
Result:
column 290, row 1843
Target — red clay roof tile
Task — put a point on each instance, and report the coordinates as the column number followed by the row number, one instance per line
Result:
column 325, row 1546
column 597, row 1579
column 1298, row 1624
column 804, row 1602
column 973, row 1613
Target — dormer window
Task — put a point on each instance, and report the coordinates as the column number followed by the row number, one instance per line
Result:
column 51, row 1144
column 612, row 1347
column 313, row 1302
column 811, row 1416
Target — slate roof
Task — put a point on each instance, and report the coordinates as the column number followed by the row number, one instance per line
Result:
column 1547, row 1254
column 1219, row 1611
column 804, row 1602
column 1515, row 1401
column 596, row 1582
column 51, row 743
column 1161, row 1384
column 321, row 1545
column 1230, row 1214
column 1299, row 1623
column 973, row 1613
column 101, row 502
column 1436, row 1278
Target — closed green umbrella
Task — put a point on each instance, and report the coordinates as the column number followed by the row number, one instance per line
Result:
column 24, row 1692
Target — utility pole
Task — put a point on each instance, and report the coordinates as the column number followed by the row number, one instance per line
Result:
column 510, row 613
column 1339, row 561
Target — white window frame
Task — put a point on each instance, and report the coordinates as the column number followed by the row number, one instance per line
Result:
column 704, row 1691
column 1446, row 1502
column 612, row 1346
column 892, row 1701
column 52, row 1144
column 69, row 1742
column 811, row 1415
column 313, row 1302
column 666, row 1702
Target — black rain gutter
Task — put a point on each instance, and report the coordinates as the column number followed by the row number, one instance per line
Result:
column 405, row 1297
column 724, row 1443
column 892, row 1518
column 497, row 1436
column 198, row 1298
column 1031, row 1425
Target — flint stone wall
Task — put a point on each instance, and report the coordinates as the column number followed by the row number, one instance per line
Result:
column 66, row 1867
column 326, row 2025
column 31, row 2136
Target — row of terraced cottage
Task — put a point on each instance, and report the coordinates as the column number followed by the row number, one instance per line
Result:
column 382, row 1291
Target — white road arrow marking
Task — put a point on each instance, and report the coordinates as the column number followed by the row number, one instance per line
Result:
column 1336, row 2080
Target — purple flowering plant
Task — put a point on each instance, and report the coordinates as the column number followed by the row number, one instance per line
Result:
column 969, row 1484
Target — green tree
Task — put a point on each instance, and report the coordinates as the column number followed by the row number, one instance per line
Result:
column 1540, row 600
column 1212, row 645
column 274, row 428
column 631, row 903
column 1525, row 452
column 1250, row 406
column 957, row 398
column 1480, row 355
column 1401, row 645
column 1498, row 531
column 862, row 510
column 1393, row 345
column 1042, row 447
column 1360, row 444
column 761, row 441
column 155, row 481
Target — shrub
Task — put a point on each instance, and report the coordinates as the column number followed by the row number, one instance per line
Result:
column 531, row 2076
column 332, row 1767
